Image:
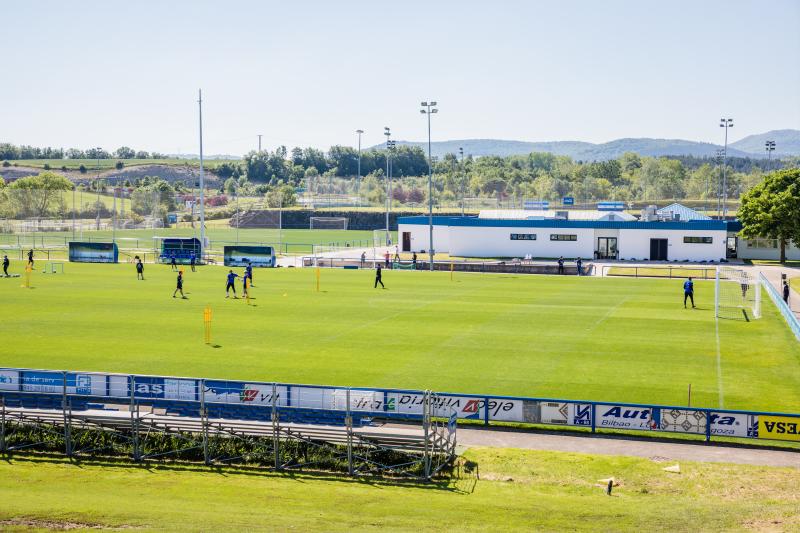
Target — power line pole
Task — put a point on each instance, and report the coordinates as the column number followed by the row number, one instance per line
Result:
column 769, row 146
column 725, row 123
column 358, row 178
column 388, row 133
column 463, row 179
column 259, row 142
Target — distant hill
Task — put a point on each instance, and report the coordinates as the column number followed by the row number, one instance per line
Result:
column 787, row 144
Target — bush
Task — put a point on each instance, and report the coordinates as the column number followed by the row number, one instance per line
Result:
column 119, row 165
column 47, row 166
column 216, row 201
column 64, row 168
column 6, row 164
column 82, row 168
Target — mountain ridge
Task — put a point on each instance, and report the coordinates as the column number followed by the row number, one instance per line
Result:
column 787, row 144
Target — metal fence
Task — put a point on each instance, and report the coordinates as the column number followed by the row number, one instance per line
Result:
column 247, row 399
column 785, row 310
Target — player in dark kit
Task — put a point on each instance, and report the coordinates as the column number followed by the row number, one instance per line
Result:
column 248, row 271
column 785, row 291
column 688, row 292
column 173, row 264
column 6, row 262
column 192, row 260
column 139, row 269
column 561, row 265
column 179, row 286
column 30, row 257
column 378, row 279
column 231, row 279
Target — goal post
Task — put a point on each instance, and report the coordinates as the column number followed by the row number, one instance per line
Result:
column 737, row 294
column 381, row 238
column 328, row 223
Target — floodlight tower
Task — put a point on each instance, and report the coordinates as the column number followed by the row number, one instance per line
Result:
column 429, row 108
column 769, row 146
column 202, row 178
column 463, row 179
column 725, row 123
column 388, row 132
column 358, row 178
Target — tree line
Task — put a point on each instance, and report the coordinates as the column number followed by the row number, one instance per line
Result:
column 11, row 152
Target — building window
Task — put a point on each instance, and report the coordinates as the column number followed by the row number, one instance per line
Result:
column 562, row 237
column 523, row 236
column 762, row 243
column 698, row 240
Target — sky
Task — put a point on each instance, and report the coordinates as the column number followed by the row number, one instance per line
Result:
column 310, row 73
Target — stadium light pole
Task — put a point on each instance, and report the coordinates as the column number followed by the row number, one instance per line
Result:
column 388, row 133
column 725, row 123
column 769, row 146
column 718, row 162
column 358, row 178
column 259, row 142
column 202, row 177
column 429, row 108
column 463, row 178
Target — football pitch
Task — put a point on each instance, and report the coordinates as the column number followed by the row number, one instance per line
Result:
column 628, row 340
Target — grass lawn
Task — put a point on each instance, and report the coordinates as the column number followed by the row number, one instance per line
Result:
column 518, row 490
column 616, row 339
column 795, row 284
column 294, row 241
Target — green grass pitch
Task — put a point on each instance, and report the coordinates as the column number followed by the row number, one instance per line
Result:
column 586, row 338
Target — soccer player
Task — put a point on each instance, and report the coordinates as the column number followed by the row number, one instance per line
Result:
column 688, row 292
column 30, row 257
column 363, row 258
column 248, row 271
column 179, row 286
column 561, row 265
column 579, row 264
column 139, row 269
column 785, row 291
column 231, row 279
column 192, row 260
column 386, row 259
column 378, row 279
column 173, row 264
column 245, row 284
column 414, row 260
column 6, row 262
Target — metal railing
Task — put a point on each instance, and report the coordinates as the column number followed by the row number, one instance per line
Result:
column 783, row 308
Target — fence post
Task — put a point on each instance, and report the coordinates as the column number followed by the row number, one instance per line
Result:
column 67, row 447
column 275, row 428
column 594, row 419
column 2, row 423
column 426, row 422
column 134, row 419
column 204, row 420
column 708, row 426
column 486, row 411
column 348, row 419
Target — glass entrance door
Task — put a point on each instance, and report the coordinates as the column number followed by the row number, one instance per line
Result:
column 606, row 247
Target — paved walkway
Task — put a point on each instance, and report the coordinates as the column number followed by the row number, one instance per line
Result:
column 617, row 445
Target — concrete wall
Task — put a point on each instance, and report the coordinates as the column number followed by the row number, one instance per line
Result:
column 748, row 250
column 496, row 242
column 635, row 244
column 420, row 237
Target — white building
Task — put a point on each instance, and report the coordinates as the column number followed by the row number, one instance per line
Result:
column 608, row 235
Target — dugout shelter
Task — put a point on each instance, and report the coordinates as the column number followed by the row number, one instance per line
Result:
column 241, row 255
column 93, row 252
column 180, row 249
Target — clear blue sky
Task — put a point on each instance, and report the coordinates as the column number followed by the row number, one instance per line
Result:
column 100, row 73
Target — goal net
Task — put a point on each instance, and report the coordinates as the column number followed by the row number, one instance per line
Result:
column 381, row 238
column 328, row 223
column 737, row 294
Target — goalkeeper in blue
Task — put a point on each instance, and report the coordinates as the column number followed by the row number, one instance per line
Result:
column 688, row 292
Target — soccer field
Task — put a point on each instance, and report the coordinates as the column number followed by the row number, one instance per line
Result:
column 564, row 337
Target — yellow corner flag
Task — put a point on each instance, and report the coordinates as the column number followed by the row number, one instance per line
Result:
column 207, row 324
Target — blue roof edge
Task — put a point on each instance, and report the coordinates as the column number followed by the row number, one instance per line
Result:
column 716, row 225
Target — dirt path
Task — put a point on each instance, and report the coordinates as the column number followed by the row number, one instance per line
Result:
column 616, row 445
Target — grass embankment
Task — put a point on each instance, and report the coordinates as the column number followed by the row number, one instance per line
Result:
column 609, row 339
column 517, row 490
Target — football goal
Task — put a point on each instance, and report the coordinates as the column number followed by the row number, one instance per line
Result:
column 737, row 294
column 381, row 238
column 328, row 223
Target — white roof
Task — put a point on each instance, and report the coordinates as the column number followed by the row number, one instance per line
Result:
column 552, row 214
column 682, row 212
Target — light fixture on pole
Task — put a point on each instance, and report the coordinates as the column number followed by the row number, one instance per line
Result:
column 769, row 146
column 725, row 123
column 202, row 178
column 718, row 163
column 429, row 108
column 358, row 178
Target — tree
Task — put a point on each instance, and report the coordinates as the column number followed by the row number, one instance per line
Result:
column 282, row 196
column 37, row 196
column 82, row 168
column 771, row 209
column 119, row 165
column 230, row 186
column 123, row 152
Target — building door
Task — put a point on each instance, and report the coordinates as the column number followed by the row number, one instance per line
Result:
column 732, row 246
column 606, row 247
column 658, row 249
column 406, row 241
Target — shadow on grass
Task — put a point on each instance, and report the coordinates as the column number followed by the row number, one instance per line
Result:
column 459, row 483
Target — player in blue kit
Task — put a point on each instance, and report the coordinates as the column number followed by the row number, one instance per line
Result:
column 688, row 292
column 231, row 279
